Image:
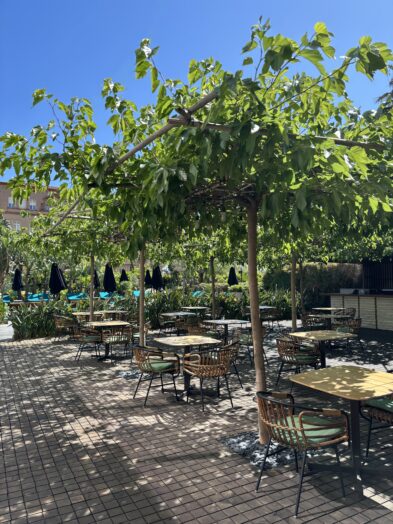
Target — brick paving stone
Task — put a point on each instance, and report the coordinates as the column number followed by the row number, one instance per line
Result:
column 77, row 448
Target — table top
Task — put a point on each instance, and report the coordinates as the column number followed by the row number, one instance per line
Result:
column 262, row 306
column 178, row 314
column 348, row 382
column 197, row 308
column 108, row 323
column 187, row 340
column 327, row 308
column 102, row 312
column 332, row 316
column 226, row 321
column 322, row 335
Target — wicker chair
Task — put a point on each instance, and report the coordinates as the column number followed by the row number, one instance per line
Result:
column 213, row 363
column 64, row 326
column 135, row 332
column 270, row 316
column 296, row 355
column 310, row 429
column 120, row 337
column 352, row 326
column 152, row 363
column 87, row 339
column 379, row 410
column 244, row 336
column 166, row 326
column 309, row 321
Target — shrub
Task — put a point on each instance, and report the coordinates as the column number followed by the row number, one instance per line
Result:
column 36, row 321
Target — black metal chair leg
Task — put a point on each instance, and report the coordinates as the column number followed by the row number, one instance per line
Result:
column 174, row 385
column 369, row 436
column 237, row 374
column 203, row 405
column 148, row 390
column 229, row 391
column 218, row 387
column 162, row 384
column 263, row 464
column 296, row 461
column 137, row 386
column 299, row 492
column 340, row 473
column 279, row 373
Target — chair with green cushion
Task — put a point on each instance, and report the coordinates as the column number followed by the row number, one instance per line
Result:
column 311, row 429
column 351, row 325
column 152, row 363
column 379, row 410
column 296, row 355
column 120, row 337
column 87, row 339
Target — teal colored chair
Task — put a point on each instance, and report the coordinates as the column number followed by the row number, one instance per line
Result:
column 379, row 414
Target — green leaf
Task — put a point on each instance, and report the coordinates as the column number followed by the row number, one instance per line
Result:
column 374, row 203
column 154, row 79
column 315, row 57
column 248, row 60
column 249, row 46
column 320, row 28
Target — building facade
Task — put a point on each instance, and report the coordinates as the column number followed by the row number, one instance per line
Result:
column 13, row 211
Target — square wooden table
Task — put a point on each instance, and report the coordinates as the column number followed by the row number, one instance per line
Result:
column 352, row 383
column 226, row 322
column 186, row 342
column 323, row 337
column 107, row 324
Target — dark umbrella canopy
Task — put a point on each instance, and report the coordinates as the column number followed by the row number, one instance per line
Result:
column 232, row 278
column 56, row 280
column 97, row 284
column 124, row 276
column 157, row 281
column 17, row 284
column 148, row 279
column 109, row 279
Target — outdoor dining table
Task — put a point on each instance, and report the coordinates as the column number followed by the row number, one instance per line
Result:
column 323, row 337
column 178, row 314
column 328, row 318
column 173, row 344
column 332, row 309
column 199, row 310
column 356, row 385
column 226, row 322
column 109, row 325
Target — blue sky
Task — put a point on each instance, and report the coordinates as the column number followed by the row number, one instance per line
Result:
column 70, row 46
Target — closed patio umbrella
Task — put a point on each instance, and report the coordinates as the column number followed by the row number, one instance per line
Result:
column 157, row 281
column 148, row 279
column 232, row 278
column 124, row 276
column 56, row 280
column 17, row 284
column 97, row 284
column 109, row 279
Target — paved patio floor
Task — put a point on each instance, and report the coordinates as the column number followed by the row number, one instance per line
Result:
column 77, row 448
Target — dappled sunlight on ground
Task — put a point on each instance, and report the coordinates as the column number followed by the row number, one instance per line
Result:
column 77, row 447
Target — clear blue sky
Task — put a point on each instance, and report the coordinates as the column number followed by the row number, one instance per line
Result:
column 69, row 46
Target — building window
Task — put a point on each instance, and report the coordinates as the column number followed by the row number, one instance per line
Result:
column 11, row 203
column 23, row 204
column 33, row 205
column 17, row 226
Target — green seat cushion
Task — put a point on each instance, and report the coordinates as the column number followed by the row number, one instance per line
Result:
column 90, row 338
column 305, row 359
column 384, row 403
column 314, row 433
column 161, row 366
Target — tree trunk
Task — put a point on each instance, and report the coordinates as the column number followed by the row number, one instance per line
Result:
column 142, row 297
column 91, row 289
column 257, row 330
column 293, row 292
column 213, row 281
column 301, row 286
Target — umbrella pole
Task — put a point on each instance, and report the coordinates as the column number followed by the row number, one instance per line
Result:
column 142, row 297
column 293, row 291
column 213, row 281
column 91, row 293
